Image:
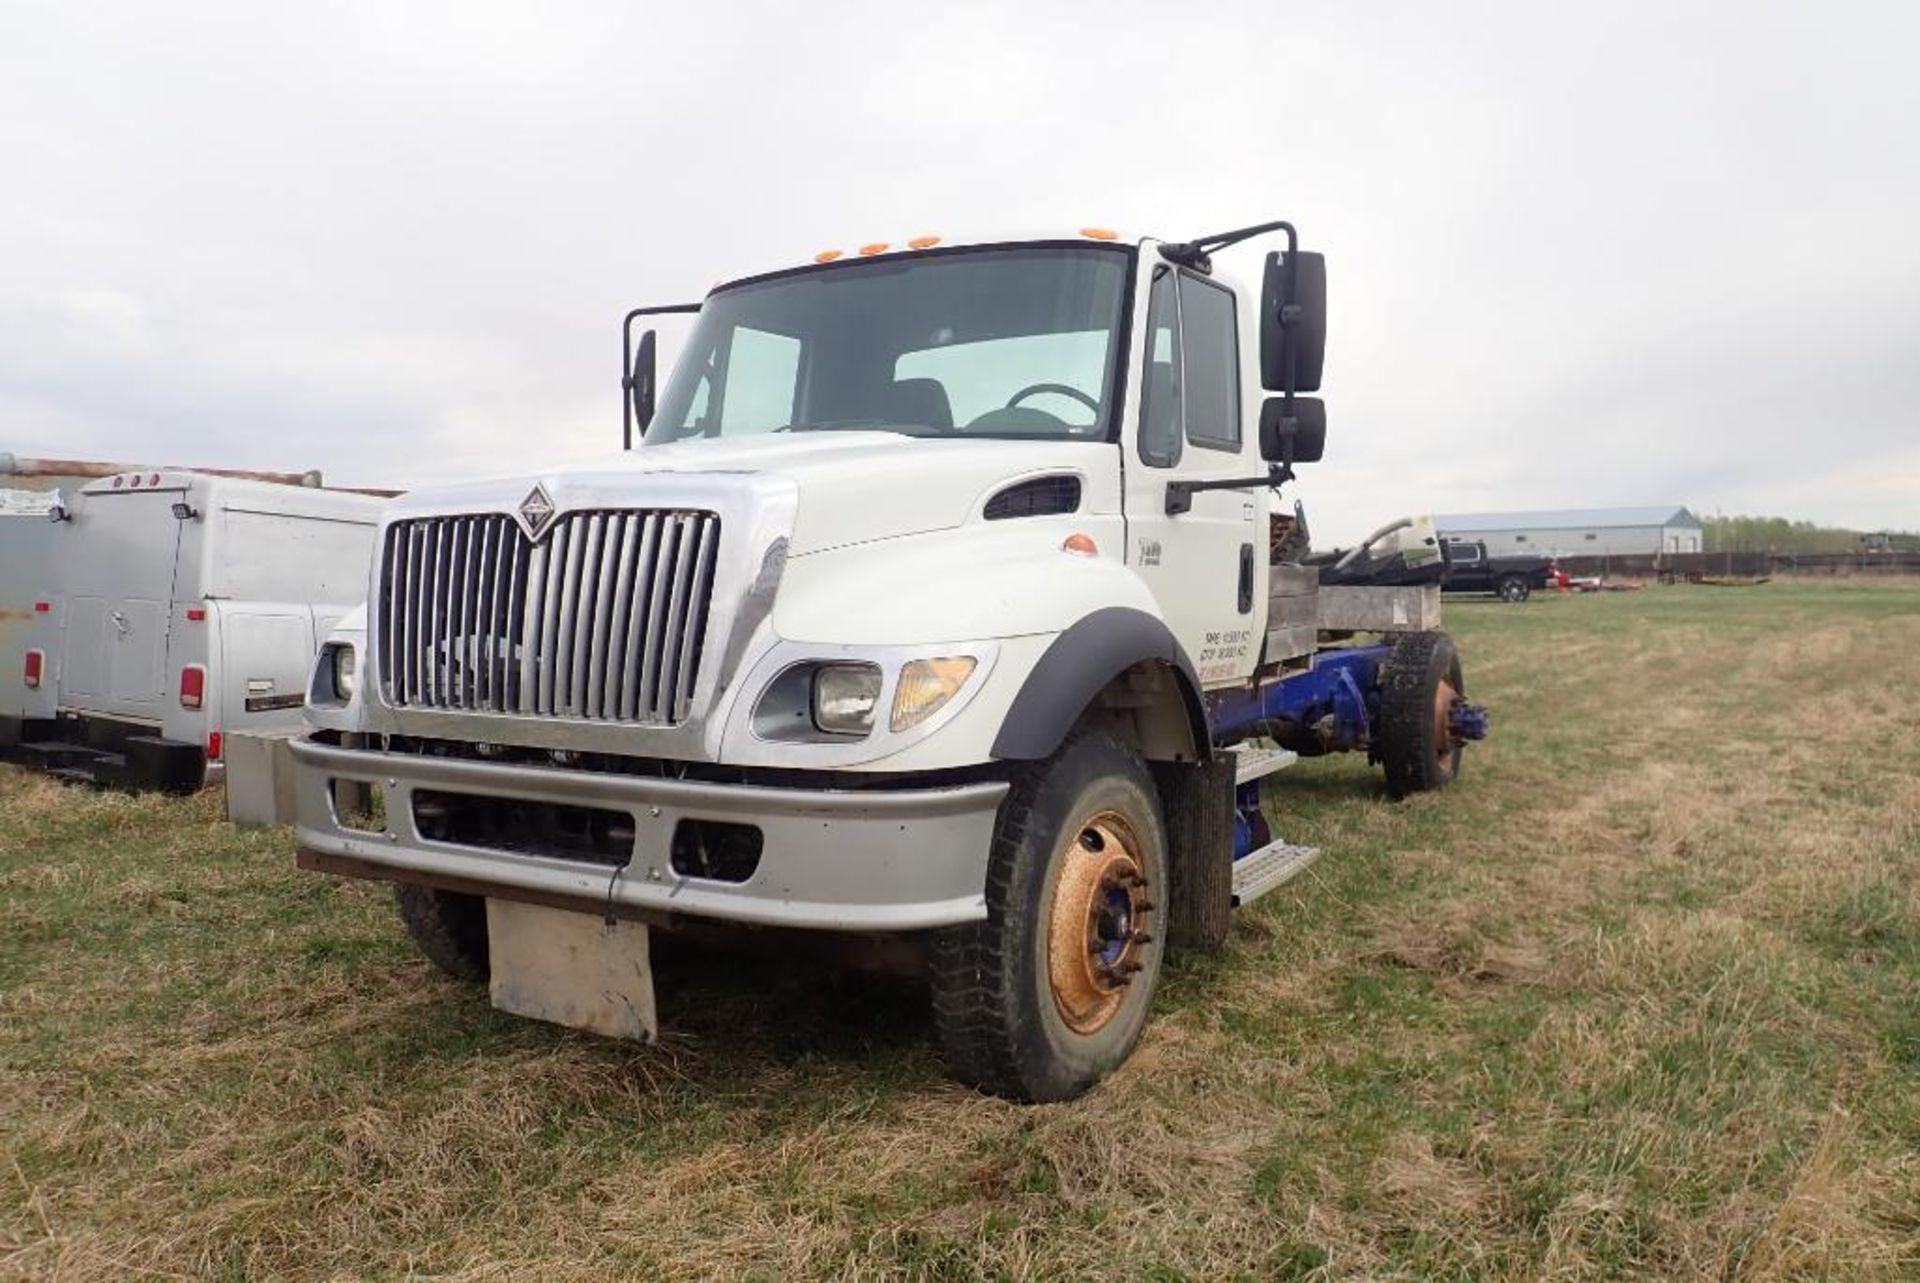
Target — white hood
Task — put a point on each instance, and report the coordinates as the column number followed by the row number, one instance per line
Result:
column 854, row 487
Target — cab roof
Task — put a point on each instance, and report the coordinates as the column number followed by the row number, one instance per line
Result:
column 903, row 247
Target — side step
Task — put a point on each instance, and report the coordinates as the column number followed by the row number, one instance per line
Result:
column 1259, row 872
column 1251, row 762
column 99, row 768
column 50, row 755
column 74, row 763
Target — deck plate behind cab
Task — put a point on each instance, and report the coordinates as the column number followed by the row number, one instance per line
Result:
column 572, row 969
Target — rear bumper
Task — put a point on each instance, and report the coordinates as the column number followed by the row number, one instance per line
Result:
column 832, row 859
column 108, row 751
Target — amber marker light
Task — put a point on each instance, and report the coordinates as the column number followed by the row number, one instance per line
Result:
column 1080, row 545
column 878, row 247
column 923, row 242
column 1100, row 233
column 826, row 256
column 925, row 687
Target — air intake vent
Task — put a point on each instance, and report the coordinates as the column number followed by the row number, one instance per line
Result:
column 1040, row 497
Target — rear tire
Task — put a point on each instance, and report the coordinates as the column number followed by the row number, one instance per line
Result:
column 1515, row 589
column 1418, row 684
column 1050, row 993
column 450, row 928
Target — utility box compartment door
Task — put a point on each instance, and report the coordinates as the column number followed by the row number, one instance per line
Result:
column 266, row 659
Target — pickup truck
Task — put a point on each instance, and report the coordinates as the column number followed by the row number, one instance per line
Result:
column 1512, row 577
column 932, row 617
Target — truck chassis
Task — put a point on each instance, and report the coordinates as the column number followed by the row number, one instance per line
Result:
column 991, row 683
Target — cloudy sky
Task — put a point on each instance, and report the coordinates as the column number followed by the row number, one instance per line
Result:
column 1652, row 253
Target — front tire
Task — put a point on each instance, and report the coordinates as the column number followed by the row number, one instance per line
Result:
column 450, row 928
column 1051, row 992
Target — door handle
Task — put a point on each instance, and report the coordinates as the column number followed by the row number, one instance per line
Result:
column 1246, row 579
column 120, row 622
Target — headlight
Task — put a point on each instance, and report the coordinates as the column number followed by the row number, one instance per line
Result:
column 344, row 666
column 844, row 697
column 925, row 687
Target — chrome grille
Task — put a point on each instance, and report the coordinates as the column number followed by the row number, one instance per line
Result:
column 604, row 619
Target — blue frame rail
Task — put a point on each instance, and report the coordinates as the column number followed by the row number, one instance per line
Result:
column 1331, row 708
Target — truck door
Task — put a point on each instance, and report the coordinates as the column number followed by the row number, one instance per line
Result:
column 120, row 577
column 1206, row 567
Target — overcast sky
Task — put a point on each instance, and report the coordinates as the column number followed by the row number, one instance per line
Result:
column 1655, row 253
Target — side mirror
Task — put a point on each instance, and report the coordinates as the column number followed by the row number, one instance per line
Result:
column 1293, row 322
column 1293, row 431
column 640, row 385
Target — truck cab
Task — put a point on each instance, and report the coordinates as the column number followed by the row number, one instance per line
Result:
column 926, row 606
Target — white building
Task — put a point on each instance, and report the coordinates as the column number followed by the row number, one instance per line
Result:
column 1578, row 532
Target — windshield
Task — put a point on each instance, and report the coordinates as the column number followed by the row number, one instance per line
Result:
column 988, row 343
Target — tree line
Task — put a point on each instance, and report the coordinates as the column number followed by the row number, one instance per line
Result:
column 1778, row 534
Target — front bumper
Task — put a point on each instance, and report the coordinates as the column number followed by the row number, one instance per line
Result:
column 846, row 860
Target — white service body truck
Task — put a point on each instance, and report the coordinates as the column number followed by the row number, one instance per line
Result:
column 182, row 608
column 29, row 609
column 925, row 612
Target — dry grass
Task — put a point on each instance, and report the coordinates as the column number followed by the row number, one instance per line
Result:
column 1641, row 997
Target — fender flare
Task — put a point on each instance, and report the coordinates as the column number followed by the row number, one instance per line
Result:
column 1081, row 661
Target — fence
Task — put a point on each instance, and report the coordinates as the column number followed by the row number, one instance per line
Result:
column 1748, row 565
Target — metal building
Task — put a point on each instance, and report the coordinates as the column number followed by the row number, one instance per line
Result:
column 1579, row 532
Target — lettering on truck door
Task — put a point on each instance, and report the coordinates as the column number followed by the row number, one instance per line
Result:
column 1197, row 563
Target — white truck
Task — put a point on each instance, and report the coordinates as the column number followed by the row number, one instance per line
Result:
column 934, row 610
column 172, row 609
column 27, row 607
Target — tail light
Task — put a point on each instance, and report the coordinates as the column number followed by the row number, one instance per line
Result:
column 30, row 674
column 213, row 746
column 193, row 686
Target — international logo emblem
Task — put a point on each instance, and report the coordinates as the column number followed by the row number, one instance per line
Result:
column 536, row 513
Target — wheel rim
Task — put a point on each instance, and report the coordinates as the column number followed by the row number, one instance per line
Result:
column 1445, row 696
column 1097, row 926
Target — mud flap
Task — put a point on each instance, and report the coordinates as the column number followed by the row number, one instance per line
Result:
column 1197, row 800
column 571, row 969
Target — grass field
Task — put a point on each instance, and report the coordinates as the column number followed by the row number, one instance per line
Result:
column 1640, row 997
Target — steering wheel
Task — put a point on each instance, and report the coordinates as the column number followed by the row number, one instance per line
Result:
column 1072, row 393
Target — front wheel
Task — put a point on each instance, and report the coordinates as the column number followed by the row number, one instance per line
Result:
column 1050, row 993
column 449, row 928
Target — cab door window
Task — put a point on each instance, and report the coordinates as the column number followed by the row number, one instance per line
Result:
column 1211, row 358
